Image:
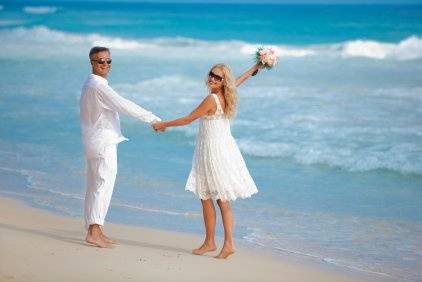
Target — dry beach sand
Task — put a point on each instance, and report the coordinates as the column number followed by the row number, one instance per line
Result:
column 36, row 245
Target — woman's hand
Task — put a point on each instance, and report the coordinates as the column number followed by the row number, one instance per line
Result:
column 159, row 126
column 258, row 66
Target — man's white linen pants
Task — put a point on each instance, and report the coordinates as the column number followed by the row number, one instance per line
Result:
column 101, row 175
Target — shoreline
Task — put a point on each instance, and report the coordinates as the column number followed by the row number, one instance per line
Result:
column 38, row 245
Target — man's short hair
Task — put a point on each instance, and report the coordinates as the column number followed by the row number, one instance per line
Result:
column 97, row 49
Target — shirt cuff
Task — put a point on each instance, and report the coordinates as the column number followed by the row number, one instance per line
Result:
column 155, row 120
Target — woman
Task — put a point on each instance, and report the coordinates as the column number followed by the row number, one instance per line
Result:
column 218, row 169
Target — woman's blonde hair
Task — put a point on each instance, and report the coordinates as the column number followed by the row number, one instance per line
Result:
column 229, row 89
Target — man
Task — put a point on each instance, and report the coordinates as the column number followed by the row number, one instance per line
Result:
column 99, row 107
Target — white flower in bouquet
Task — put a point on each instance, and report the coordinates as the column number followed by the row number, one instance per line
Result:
column 266, row 56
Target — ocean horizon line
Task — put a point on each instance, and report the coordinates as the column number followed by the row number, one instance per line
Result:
column 186, row 2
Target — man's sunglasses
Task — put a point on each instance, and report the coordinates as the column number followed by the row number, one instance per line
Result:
column 103, row 61
column 215, row 76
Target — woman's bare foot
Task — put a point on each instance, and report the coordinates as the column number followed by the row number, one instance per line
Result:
column 225, row 253
column 204, row 249
column 97, row 241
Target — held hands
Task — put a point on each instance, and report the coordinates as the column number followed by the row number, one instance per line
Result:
column 159, row 126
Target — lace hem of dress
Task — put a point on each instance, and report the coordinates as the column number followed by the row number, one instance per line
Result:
column 215, row 195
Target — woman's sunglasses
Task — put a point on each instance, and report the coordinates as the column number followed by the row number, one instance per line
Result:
column 103, row 61
column 215, row 76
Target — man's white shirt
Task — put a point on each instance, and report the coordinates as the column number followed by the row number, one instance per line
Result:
column 100, row 123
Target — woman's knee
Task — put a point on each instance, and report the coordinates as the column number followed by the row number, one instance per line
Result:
column 224, row 205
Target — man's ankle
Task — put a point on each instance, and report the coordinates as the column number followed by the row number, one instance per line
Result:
column 94, row 230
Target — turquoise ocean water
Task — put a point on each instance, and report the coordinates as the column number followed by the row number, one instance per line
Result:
column 332, row 136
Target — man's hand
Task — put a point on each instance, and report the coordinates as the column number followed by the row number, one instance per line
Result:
column 159, row 126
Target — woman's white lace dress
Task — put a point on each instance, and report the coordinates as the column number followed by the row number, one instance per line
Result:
column 218, row 169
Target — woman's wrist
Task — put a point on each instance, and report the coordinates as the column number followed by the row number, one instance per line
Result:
column 254, row 70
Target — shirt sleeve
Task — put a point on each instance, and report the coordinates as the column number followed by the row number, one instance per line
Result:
column 113, row 101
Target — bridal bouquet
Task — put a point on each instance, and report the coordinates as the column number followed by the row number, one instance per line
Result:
column 266, row 56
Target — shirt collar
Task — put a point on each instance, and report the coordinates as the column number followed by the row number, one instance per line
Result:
column 98, row 78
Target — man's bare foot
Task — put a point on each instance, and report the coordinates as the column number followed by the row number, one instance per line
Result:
column 225, row 253
column 97, row 241
column 108, row 240
column 204, row 249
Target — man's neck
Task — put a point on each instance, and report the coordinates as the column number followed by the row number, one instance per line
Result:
column 103, row 76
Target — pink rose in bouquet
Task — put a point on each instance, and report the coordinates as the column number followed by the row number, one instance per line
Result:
column 266, row 56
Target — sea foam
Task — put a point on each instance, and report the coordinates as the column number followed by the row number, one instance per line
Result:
column 40, row 9
column 407, row 49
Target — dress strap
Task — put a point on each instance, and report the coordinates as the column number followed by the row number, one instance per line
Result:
column 217, row 101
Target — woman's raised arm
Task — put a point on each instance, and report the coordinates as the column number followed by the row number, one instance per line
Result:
column 252, row 71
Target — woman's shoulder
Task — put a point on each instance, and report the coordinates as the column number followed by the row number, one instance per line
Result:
column 219, row 100
column 210, row 98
